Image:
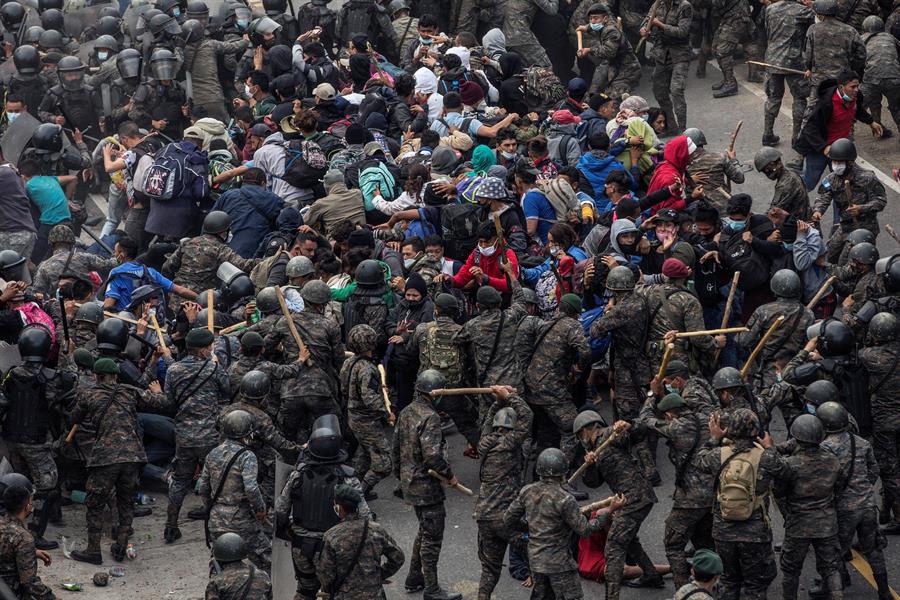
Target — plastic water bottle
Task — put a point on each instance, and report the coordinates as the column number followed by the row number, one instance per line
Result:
column 142, row 498
column 130, row 552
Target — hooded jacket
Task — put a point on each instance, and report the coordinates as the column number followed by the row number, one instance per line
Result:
column 341, row 204
column 253, row 211
column 675, row 161
column 595, row 166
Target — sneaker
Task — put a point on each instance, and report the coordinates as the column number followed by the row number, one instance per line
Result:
column 170, row 534
column 94, row 558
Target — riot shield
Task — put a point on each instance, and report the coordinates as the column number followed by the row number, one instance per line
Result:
column 133, row 14
column 79, row 19
column 7, row 70
column 85, row 50
column 284, row 583
column 10, row 357
column 17, row 136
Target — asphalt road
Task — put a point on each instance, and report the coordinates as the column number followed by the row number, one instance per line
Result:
column 180, row 570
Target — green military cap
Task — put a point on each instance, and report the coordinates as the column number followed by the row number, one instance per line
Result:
column 199, row 337
column 446, row 302
column 106, row 366
column 572, row 300
column 669, row 402
column 675, row 367
column 83, row 358
column 487, row 296
column 347, row 495
column 250, row 340
column 707, row 562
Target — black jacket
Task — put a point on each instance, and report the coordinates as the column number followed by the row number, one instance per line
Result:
column 814, row 134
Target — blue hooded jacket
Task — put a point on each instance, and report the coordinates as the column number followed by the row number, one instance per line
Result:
column 253, row 211
column 595, row 169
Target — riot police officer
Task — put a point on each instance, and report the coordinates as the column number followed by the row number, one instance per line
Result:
column 161, row 103
column 73, row 103
column 27, row 82
column 113, row 337
column 123, row 87
column 278, row 12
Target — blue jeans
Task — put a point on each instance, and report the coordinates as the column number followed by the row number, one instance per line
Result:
column 813, row 167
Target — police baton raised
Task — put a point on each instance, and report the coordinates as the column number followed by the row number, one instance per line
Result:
column 457, row 486
column 580, row 471
column 821, row 293
column 726, row 316
column 589, row 508
column 290, row 320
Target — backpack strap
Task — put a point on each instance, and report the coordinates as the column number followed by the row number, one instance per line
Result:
column 887, row 375
column 219, row 488
column 339, row 581
column 248, row 583
column 680, row 470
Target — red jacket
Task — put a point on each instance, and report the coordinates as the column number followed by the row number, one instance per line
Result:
column 669, row 171
column 490, row 265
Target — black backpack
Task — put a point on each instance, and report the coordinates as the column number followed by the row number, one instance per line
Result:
column 459, row 228
column 357, row 17
column 304, row 164
column 739, row 256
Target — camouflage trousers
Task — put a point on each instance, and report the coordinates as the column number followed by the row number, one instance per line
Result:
column 793, row 553
column 493, row 538
column 558, row 586
column 623, row 541
column 669, row 81
column 464, row 415
column 748, row 566
column 873, row 92
column 297, row 414
column 684, row 526
column 304, row 555
column 561, row 415
column 35, row 461
column 186, row 462
column 103, row 482
column 799, row 87
column 526, row 45
column 886, row 444
column 427, row 547
column 373, row 456
column 862, row 524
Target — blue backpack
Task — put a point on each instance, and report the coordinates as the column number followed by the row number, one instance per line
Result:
column 599, row 346
column 176, row 172
column 420, row 227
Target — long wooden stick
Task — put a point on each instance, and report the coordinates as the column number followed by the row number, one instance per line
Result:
column 384, row 388
column 821, row 293
column 232, row 328
column 589, row 508
column 579, row 34
column 667, row 355
column 779, row 67
column 461, row 391
column 112, row 315
column 457, row 486
column 726, row 316
column 759, row 346
column 158, row 329
column 734, row 135
column 289, row 319
column 71, row 436
column 580, row 470
column 724, row 330
column 210, row 312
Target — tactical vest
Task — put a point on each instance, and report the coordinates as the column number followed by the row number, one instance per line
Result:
column 313, row 498
column 27, row 415
column 78, row 107
column 442, row 353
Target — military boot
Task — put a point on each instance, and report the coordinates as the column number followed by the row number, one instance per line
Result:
column 118, row 548
column 91, row 554
column 770, row 139
column 415, row 581
column 730, row 88
column 171, row 532
column 754, row 74
column 718, row 86
column 438, row 593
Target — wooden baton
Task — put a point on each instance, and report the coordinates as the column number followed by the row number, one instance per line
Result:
column 384, row 388
column 724, row 330
column 667, row 355
column 461, row 391
column 210, row 312
column 821, row 293
column 759, row 346
column 726, row 316
column 589, row 508
column 71, row 435
column 580, row 36
column 290, row 321
column 734, row 135
column 892, row 232
column 458, row 486
column 157, row 329
column 580, row 470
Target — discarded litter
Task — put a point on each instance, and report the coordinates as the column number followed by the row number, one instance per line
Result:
column 117, row 571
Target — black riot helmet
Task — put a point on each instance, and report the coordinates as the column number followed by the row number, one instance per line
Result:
column 192, row 31
column 112, row 335
column 835, row 338
column 237, row 425
column 163, row 63
column 143, row 24
column 807, row 429
column 164, row 24
column 260, row 28
column 821, row 391
column 109, row 26
column 71, row 73
column 11, row 15
column 369, row 273
column 27, row 60
column 34, row 344
column 12, row 265
column 842, row 150
column 237, row 288
column 108, row 42
column 889, row 269
column 45, row 5
column 216, row 222
column 325, row 439
column 53, row 19
column 129, row 62
column 108, row 11
column 50, row 39
column 15, row 480
column 834, row 417
column 32, row 35
column 255, row 385
column 274, row 8
column 47, row 138
column 144, row 293
column 90, row 312
column 551, row 462
column 237, row 13
column 197, row 10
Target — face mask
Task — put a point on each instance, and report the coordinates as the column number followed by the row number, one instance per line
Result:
column 810, row 409
column 646, row 118
column 425, row 41
column 12, row 116
column 409, row 262
column 778, row 377
column 489, row 251
column 176, row 12
column 242, row 24
column 844, row 96
column 102, row 55
column 553, row 250
column 787, row 246
column 670, row 389
column 508, row 155
column 597, row 26
column 247, row 91
column 839, row 168
column 229, row 237
column 735, row 225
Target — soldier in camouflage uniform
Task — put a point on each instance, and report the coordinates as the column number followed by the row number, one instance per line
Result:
column 314, row 393
column 745, row 546
column 857, row 516
column 880, row 360
column 807, row 500
column 733, row 27
column 790, row 193
column 196, row 387
column 790, row 336
column 254, row 388
column 66, row 259
column 195, row 262
column 553, row 365
column 617, row 466
column 251, row 359
column 691, row 518
column 439, row 350
column 502, row 468
column 552, row 517
column 855, row 12
column 616, row 67
column 418, row 449
column 517, row 28
column 831, row 47
column 882, row 74
column 856, row 193
column 350, row 566
column 786, row 23
column 706, row 567
column 117, row 453
column 367, row 302
column 18, row 557
column 489, row 339
column 714, row 171
column 84, row 332
column 366, row 410
column 668, row 26
column 270, row 312
column 230, row 577
column 734, row 394
column 230, row 490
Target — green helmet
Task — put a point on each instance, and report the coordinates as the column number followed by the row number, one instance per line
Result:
column 873, row 24
column 255, row 385
column 429, row 380
column 361, row 338
column 551, row 462
column 883, row 327
column 229, row 547
column 764, row 157
column 834, row 417
column 299, row 266
column 620, row 279
column 785, row 283
column 316, row 292
column 807, row 429
column 585, row 418
column 237, row 424
column 727, row 377
column 505, row 418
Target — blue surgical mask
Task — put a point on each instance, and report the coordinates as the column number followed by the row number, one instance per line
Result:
column 787, row 246
column 102, row 55
column 670, row 389
column 508, row 155
column 12, row 116
column 425, row 41
column 646, row 118
column 778, row 377
column 597, row 26
column 242, row 24
column 844, row 96
column 735, row 225
column 176, row 12
column 810, row 409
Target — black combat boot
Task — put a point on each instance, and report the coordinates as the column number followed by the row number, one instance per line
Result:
column 91, row 554
column 171, row 532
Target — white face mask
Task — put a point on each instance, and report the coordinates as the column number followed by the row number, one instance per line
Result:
column 102, row 55
column 489, row 251
column 408, row 262
column 508, row 155
column 247, row 91
column 839, row 168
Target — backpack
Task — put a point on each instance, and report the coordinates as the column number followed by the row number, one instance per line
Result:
column 304, row 164
column 599, row 346
column 443, row 354
column 356, row 18
column 559, row 153
column 175, row 174
column 260, row 273
column 330, row 143
column 739, row 256
column 339, row 127
column 459, row 228
column 543, row 89
column 420, row 227
column 706, row 283
column 737, row 495
column 585, row 129
column 378, row 175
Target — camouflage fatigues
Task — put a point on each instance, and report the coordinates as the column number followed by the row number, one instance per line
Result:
column 790, row 193
column 733, row 27
column 230, row 583
column 882, row 75
column 616, row 67
column 790, row 336
column 236, row 507
column 18, row 562
column 860, row 10
column 367, row 413
column 277, row 374
column 362, row 580
column 831, row 47
column 671, row 55
column 860, row 187
column 786, row 23
column 49, row 271
column 884, row 387
column 715, row 172
column 517, row 29
column 676, row 308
